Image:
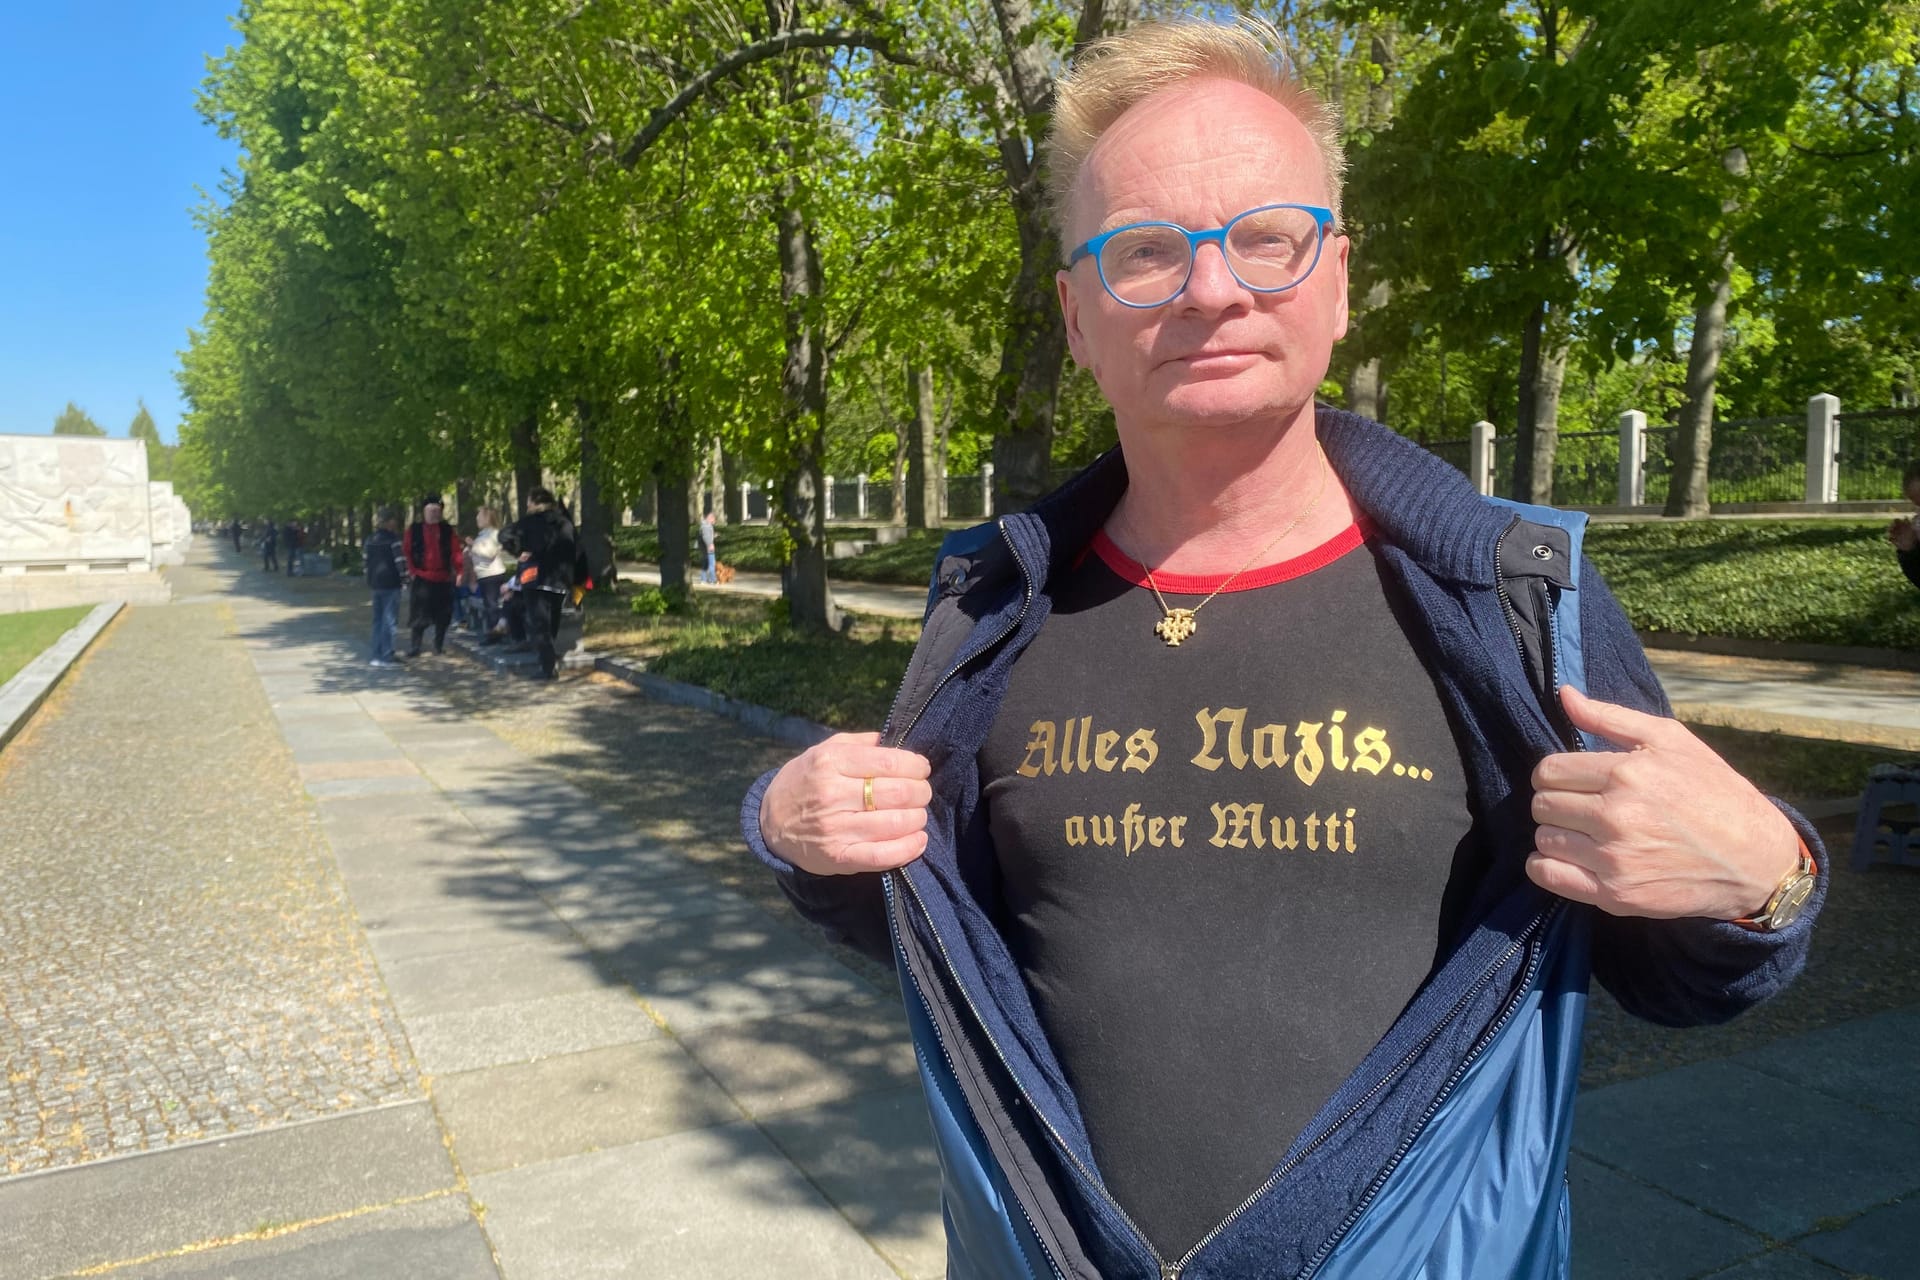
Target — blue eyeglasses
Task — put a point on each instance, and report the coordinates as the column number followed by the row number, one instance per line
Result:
column 1269, row 250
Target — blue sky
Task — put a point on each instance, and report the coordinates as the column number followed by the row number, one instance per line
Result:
column 104, row 269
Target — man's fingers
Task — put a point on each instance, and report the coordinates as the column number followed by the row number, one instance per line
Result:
column 1567, row 879
column 1622, row 725
column 1582, row 811
column 884, row 855
column 1576, row 770
column 863, row 757
column 881, row 824
column 891, row 793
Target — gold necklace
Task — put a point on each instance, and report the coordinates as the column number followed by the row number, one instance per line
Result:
column 1177, row 624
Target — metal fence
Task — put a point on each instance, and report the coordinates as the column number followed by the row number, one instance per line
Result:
column 1758, row 460
column 1876, row 446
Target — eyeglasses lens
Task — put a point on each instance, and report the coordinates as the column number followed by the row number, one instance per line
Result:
column 1267, row 249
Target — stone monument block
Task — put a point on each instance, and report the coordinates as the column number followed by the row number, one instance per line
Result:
column 77, row 522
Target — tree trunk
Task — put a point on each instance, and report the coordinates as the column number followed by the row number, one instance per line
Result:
column 803, row 426
column 1027, row 391
column 1687, row 490
column 902, row 440
column 730, row 486
column 524, row 443
column 1543, row 368
column 673, row 521
column 1366, row 385
column 596, row 517
column 924, row 478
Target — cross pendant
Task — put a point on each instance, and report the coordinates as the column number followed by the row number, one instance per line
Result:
column 1176, row 626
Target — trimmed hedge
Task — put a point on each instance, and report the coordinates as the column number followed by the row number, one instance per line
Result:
column 1832, row 582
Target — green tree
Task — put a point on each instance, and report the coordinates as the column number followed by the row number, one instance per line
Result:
column 75, row 421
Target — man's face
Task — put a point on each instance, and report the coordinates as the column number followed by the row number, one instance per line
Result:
column 1219, row 354
column 432, row 512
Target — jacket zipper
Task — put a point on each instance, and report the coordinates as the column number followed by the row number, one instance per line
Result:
column 1527, row 938
column 886, row 884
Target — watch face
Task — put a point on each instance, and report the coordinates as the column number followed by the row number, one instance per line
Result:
column 1792, row 903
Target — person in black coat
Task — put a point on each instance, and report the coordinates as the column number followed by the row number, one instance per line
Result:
column 546, row 545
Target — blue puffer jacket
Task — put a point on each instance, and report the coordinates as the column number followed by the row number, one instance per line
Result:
column 1444, row 1154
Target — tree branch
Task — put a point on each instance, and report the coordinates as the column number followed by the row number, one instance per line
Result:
column 760, row 51
column 533, row 109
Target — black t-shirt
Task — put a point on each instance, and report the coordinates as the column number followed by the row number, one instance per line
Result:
column 1221, row 865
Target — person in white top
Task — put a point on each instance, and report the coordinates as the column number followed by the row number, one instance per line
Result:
column 489, row 568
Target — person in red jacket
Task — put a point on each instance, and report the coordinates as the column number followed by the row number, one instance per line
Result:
column 433, row 564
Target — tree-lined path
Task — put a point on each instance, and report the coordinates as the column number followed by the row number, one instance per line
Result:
column 318, row 971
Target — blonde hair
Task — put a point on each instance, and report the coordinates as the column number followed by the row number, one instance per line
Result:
column 1118, row 72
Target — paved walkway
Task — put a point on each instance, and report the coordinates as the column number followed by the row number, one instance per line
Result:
column 605, row 1049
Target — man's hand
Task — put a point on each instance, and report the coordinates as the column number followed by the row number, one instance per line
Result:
column 1663, row 829
column 1903, row 535
column 815, row 813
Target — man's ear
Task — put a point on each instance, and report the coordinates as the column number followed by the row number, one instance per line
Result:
column 1344, row 246
column 1070, row 309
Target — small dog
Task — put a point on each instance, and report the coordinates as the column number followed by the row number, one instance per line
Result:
column 724, row 572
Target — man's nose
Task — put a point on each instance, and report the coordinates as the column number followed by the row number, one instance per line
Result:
column 1211, row 285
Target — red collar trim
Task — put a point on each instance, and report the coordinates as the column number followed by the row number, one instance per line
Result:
column 1188, row 584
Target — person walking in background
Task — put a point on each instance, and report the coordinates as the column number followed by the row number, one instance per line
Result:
column 487, row 561
column 547, row 547
column 235, row 530
column 707, row 544
column 290, row 545
column 270, row 539
column 1903, row 533
column 386, row 563
column 433, row 561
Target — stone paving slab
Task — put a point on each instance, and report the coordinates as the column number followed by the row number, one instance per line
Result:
column 1781, row 1264
column 466, row 981
column 708, row 1204
column 1849, row 1062
column 160, row 1201
column 434, row 1239
column 872, row 1155
column 1881, row 1242
column 1623, row 1228
column 750, row 988
column 1775, row 1159
column 530, row 1029
column 809, row 1058
column 568, row 1105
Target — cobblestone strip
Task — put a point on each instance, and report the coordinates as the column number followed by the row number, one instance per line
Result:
column 180, row 958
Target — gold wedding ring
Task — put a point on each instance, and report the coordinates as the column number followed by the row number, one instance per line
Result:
column 866, row 793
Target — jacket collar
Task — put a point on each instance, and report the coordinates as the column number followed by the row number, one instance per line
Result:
column 1418, row 501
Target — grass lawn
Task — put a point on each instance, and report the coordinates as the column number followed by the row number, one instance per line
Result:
column 1792, row 581
column 730, row 645
column 24, row 635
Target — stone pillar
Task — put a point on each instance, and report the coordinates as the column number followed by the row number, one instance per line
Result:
column 1823, row 448
column 1480, row 456
column 986, row 490
column 829, row 497
column 860, row 494
column 746, row 508
column 1633, row 458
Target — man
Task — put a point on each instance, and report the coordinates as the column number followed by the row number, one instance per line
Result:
column 546, row 549
column 386, row 562
column 1249, row 930
column 290, row 545
column 433, row 561
column 1902, row 532
column 269, row 539
column 707, row 544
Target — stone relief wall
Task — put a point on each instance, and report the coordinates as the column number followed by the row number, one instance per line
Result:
column 170, row 521
column 77, row 503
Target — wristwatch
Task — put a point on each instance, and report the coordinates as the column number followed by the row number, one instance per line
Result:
column 1788, row 900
